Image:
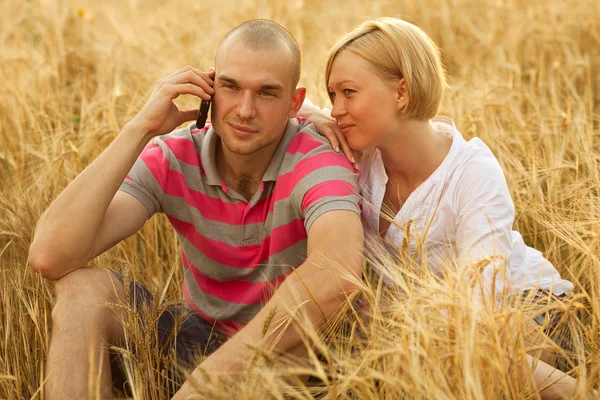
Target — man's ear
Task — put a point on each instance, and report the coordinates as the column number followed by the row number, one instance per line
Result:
column 402, row 97
column 297, row 101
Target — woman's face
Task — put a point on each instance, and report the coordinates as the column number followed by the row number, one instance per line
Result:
column 364, row 105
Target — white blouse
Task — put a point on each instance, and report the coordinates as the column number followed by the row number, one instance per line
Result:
column 466, row 211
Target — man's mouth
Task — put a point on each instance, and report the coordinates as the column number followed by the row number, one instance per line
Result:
column 242, row 130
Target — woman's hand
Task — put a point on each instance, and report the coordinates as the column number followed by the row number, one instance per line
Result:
column 328, row 127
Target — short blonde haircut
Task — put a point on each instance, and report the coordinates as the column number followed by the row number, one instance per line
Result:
column 398, row 49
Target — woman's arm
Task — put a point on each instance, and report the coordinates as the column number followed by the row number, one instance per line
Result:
column 485, row 216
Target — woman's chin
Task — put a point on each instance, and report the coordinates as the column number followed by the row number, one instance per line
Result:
column 358, row 145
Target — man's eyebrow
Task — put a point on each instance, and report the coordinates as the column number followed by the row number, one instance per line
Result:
column 265, row 86
column 228, row 79
column 271, row 86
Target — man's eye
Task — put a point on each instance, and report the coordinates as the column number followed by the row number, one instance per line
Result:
column 268, row 94
column 230, row 86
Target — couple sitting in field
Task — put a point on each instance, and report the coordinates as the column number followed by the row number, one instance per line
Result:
column 259, row 199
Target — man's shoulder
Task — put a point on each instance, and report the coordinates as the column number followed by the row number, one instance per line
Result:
column 309, row 160
column 310, row 133
column 308, row 146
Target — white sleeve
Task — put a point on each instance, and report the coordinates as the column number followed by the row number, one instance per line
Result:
column 308, row 102
column 485, row 216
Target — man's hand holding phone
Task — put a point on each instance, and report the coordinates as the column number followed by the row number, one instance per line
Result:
column 160, row 115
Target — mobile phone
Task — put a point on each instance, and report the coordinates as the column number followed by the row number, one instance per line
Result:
column 202, row 114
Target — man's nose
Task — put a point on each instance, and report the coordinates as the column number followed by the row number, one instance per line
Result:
column 246, row 107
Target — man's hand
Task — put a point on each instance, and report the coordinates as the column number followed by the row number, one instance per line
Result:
column 160, row 115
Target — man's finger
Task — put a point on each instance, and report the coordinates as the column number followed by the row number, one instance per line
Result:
column 188, row 115
column 183, row 69
column 173, row 91
column 203, row 80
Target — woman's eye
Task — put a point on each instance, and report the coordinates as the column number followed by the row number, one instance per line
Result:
column 332, row 95
column 348, row 92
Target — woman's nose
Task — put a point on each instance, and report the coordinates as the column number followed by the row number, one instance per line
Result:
column 338, row 109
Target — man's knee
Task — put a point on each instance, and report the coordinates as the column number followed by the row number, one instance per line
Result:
column 83, row 294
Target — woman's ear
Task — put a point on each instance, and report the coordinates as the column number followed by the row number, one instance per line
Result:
column 402, row 98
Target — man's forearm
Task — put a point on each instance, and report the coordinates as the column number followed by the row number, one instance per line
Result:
column 317, row 289
column 318, row 294
column 66, row 231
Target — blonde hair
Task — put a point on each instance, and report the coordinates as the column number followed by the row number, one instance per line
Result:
column 398, row 49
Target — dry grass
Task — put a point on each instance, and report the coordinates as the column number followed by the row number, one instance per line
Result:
column 524, row 76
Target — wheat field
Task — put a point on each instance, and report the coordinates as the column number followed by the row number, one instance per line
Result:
column 524, row 76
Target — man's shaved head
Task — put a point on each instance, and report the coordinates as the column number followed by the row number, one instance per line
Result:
column 261, row 34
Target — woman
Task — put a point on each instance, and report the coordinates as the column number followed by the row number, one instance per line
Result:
column 386, row 81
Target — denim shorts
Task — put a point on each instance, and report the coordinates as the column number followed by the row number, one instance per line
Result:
column 555, row 324
column 180, row 332
column 549, row 318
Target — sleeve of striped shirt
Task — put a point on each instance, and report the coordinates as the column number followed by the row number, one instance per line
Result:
column 326, row 181
column 148, row 176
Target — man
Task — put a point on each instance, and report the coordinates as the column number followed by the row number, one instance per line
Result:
column 258, row 202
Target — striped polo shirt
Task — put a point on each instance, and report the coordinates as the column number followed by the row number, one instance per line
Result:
column 235, row 252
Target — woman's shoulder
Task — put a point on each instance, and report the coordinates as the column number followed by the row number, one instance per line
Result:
column 477, row 161
column 475, row 172
column 465, row 156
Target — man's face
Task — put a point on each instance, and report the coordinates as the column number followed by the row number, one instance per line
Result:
column 253, row 96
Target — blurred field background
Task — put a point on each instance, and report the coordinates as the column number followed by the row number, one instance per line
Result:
column 524, row 77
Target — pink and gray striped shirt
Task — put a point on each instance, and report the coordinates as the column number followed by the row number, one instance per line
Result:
column 234, row 251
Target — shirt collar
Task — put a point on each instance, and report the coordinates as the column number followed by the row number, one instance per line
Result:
column 207, row 157
column 291, row 129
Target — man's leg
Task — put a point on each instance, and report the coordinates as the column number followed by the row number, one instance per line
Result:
column 82, row 326
column 187, row 339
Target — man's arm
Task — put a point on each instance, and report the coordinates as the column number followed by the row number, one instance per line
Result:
column 329, row 276
column 85, row 220
column 89, row 216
